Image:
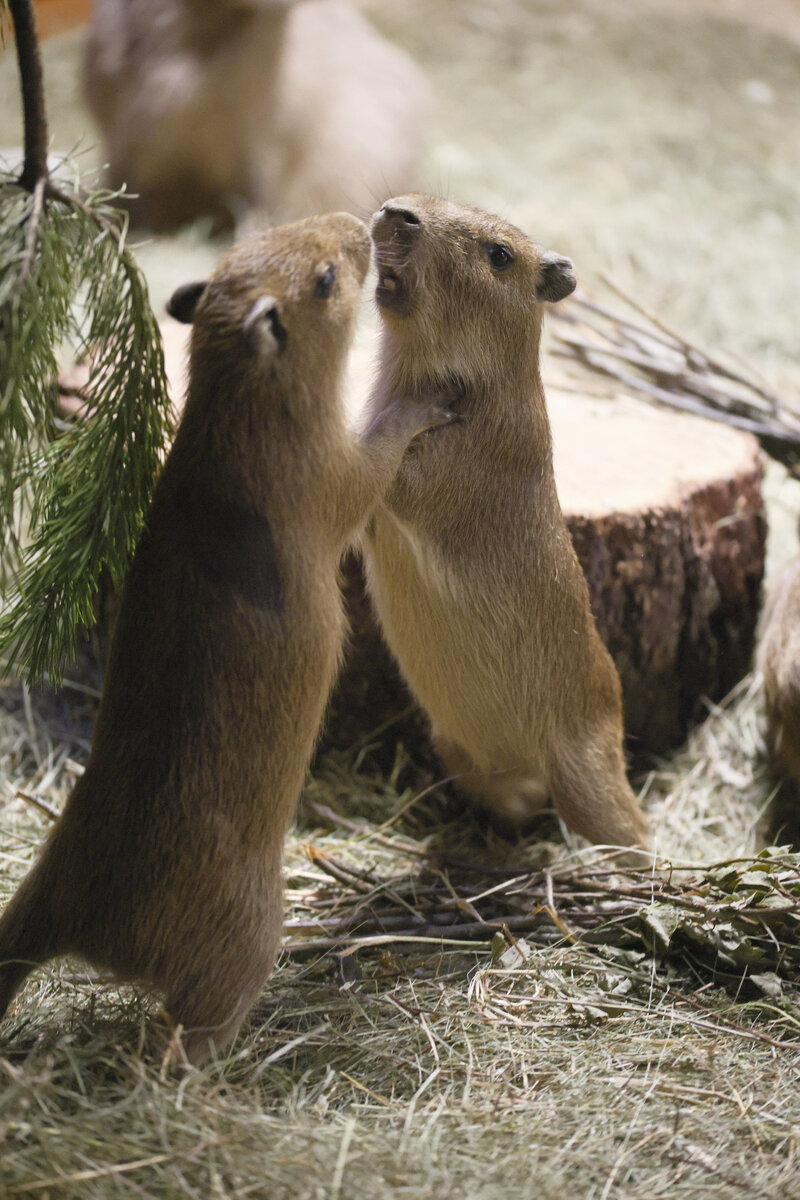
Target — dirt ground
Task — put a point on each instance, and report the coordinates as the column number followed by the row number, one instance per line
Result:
column 658, row 142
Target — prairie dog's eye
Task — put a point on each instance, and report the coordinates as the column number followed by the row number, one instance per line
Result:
column 499, row 256
column 324, row 285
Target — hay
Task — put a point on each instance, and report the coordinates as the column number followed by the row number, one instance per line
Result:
column 431, row 1068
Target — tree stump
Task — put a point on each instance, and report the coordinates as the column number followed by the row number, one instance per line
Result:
column 666, row 515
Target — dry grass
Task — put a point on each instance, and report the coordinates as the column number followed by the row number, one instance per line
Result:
column 422, row 1069
column 632, row 137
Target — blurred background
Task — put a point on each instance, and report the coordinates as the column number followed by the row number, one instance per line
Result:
column 658, row 140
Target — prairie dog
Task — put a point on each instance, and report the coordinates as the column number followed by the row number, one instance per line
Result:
column 778, row 660
column 468, row 559
column 166, row 864
column 208, row 107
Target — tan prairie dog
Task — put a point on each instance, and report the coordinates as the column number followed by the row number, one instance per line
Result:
column 166, row 864
column 468, row 559
column 209, row 107
column 778, row 660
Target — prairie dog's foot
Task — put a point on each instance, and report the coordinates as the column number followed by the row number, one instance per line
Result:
column 513, row 798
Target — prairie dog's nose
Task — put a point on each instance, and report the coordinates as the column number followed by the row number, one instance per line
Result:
column 396, row 222
column 392, row 210
column 354, row 237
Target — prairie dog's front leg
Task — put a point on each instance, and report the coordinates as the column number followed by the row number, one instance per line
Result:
column 380, row 449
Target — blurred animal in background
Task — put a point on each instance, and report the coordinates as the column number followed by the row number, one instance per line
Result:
column 469, row 560
column 211, row 107
column 165, row 865
column 778, row 660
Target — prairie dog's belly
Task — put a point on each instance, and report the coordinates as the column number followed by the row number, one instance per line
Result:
column 459, row 648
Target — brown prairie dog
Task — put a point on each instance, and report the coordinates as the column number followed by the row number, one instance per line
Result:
column 209, row 107
column 778, row 660
column 166, row 864
column 468, row 558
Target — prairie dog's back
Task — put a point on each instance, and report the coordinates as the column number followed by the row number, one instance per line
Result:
column 165, row 865
column 232, row 615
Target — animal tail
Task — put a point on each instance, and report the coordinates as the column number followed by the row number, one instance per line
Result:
column 27, row 936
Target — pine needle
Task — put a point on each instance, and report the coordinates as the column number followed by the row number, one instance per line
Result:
column 75, row 495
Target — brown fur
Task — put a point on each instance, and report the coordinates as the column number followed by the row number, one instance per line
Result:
column 778, row 660
column 166, row 864
column 469, row 560
column 208, row 107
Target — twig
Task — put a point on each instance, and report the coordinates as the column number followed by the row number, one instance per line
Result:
column 668, row 369
column 597, row 907
column 37, row 802
column 703, row 355
column 773, row 433
column 31, row 233
column 29, row 59
column 690, row 380
column 34, row 175
column 338, row 872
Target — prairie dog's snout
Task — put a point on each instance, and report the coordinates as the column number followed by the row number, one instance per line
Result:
column 398, row 221
column 395, row 231
column 354, row 237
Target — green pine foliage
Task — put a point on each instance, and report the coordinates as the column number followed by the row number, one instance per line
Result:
column 73, row 495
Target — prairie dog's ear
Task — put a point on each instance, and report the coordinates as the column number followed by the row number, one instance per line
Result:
column 556, row 277
column 262, row 327
column 183, row 301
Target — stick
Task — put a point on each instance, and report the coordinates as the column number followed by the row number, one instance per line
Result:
column 719, row 366
column 29, row 60
column 673, row 372
column 37, row 802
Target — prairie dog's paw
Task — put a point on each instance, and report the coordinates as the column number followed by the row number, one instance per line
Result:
column 436, row 415
column 434, row 408
column 409, row 416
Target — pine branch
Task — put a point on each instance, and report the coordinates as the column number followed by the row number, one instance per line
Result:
column 74, row 496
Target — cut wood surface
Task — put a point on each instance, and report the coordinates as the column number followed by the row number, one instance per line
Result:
column 666, row 515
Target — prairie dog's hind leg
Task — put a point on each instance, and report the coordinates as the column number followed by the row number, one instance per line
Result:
column 209, row 1004
column 514, row 797
column 206, row 1027
column 211, row 989
column 592, row 795
column 31, row 930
